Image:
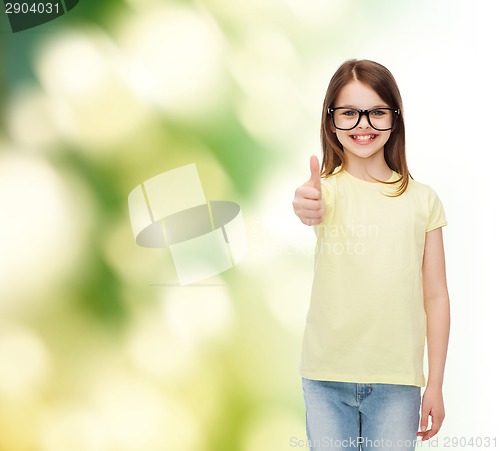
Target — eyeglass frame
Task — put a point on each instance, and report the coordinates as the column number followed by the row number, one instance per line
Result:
column 366, row 113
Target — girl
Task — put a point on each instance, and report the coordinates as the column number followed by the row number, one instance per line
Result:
column 379, row 285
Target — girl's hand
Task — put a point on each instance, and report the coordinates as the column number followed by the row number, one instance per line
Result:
column 307, row 203
column 432, row 405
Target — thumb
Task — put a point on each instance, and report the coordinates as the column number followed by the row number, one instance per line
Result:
column 423, row 423
column 315, row 180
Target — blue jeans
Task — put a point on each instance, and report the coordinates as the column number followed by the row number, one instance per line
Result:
column 352, row 416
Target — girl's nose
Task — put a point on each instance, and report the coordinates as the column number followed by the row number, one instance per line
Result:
column 363, row 122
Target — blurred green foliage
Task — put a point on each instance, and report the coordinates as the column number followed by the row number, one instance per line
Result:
column 100, row 349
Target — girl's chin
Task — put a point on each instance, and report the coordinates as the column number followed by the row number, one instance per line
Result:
column 362, row 151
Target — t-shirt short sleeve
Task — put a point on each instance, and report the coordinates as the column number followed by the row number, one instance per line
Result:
column 325, row 192
column 437, row 215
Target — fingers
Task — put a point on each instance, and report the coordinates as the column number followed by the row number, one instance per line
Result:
column 437, row 421
column 424, row 421
column 427, row 434
column 307, row 203
column 308, row 192
column 310, row 217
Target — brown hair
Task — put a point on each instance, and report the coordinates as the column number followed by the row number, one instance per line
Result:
column 383, row 83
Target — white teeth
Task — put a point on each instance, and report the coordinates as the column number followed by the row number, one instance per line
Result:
column 364, row 137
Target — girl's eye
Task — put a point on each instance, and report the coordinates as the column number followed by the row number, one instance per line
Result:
column 350, row 113
column 378, row 113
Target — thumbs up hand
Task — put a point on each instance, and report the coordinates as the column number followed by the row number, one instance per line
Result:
column 307, row 203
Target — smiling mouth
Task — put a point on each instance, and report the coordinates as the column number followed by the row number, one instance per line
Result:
column 363, row 138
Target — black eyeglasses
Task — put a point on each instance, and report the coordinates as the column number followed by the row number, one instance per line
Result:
column 381, row 119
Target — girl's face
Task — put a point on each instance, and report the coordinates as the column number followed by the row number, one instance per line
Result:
column 363, row 141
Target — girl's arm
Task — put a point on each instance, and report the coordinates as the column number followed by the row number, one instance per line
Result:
column 437, row 309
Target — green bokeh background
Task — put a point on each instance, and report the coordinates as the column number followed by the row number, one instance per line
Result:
column 100, row 349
